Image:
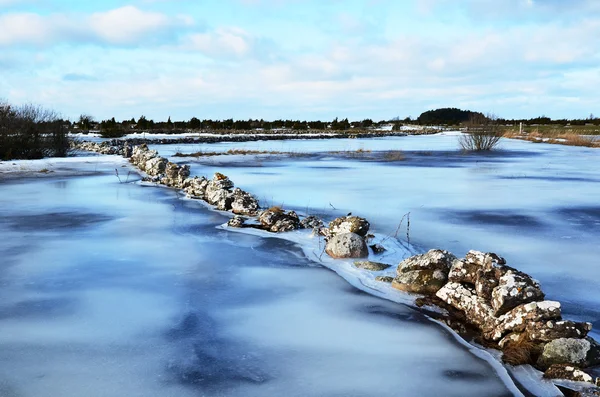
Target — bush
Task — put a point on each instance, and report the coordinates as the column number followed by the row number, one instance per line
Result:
column 31, row 132
column 482, row 133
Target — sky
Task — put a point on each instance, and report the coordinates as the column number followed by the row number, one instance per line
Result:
column 294, row 59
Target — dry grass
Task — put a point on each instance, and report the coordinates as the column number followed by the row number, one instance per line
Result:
column 394, row 155
column 520, row 352
column 276, row 209
column 230, row 152
column 557, row 136
column 220, row 176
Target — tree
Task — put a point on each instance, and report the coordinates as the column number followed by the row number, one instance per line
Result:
column 482, row 133
column 447, row 116
column 85, row 122
column 31, row 132
column 194, row 123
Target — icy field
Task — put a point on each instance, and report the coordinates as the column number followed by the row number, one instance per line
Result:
column 535, row 204
column 114, row 289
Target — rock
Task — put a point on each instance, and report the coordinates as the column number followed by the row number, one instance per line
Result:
column 311, row 222
column 236, row 221
column 551, row 330
column 127, row 150
column 377, row 248
column 568, row 372
column 347, row 245
column 588, row 392
column 514, row 288
column 197, row 187
column 578, row 352
column 372, row 266
column 277, row 220
column 463, row 272
column 349, row 224
column 420, row 281
column 425, row 273
column 432, row 260
column 175, row 174
column 221, row 199
column 482, row 259
column 466, row 271
column 477, row 311
column 219, row 182
column 243, row 203
column 155, row 166
column 384, row 279
column 520, row 317
column 218, row 192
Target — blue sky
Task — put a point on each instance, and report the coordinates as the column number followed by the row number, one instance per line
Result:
column 301, row 59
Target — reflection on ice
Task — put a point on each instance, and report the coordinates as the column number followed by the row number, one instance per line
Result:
column 153, row 300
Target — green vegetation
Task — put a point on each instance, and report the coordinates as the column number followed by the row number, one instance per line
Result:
column 31, row 132
column 446, row 116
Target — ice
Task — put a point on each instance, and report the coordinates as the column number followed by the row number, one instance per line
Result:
column 533, row 203
column 117, row 289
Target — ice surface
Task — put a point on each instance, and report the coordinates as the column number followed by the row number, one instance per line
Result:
column 116, row 289
column 535, row 204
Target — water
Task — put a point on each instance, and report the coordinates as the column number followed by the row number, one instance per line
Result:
column 534, row 204
column 114, row 289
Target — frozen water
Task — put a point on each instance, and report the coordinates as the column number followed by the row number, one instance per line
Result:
column 535, row 204
column 114, row 289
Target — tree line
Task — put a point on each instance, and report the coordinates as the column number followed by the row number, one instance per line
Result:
column 454, row 116
column 113, row 128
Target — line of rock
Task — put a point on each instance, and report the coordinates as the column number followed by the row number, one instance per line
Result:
column 240, row 137
column 485, row 299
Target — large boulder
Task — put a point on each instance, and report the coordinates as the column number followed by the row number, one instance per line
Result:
column 155, row 166
column 466, row 270
column 243, row 203
column 514, row 288
column 237, row 221
column 581, row 353
column 311, row 222
column 141, row 154
column 523, row 316
column 551, row 330
column 425, row 273
column 277, row 220
column 568, row 372
column 218, row 192
column 175, row 175
column 347, row 245
column 349, row 224
column 476, row 309
column 221, row 199
column 197, row 187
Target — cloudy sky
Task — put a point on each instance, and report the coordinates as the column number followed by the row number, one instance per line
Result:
column 311, row 59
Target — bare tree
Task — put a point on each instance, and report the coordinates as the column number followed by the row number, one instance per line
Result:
column 30, row 131
column 482, row 133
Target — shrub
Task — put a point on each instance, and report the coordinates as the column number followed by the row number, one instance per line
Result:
column 482, row 133
column 31, row 132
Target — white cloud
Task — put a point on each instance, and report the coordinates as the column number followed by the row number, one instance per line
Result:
column 223, row 42
column 125, row 25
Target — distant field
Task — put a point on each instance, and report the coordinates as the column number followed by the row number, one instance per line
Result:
column 552, row 131
column 577, row 135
